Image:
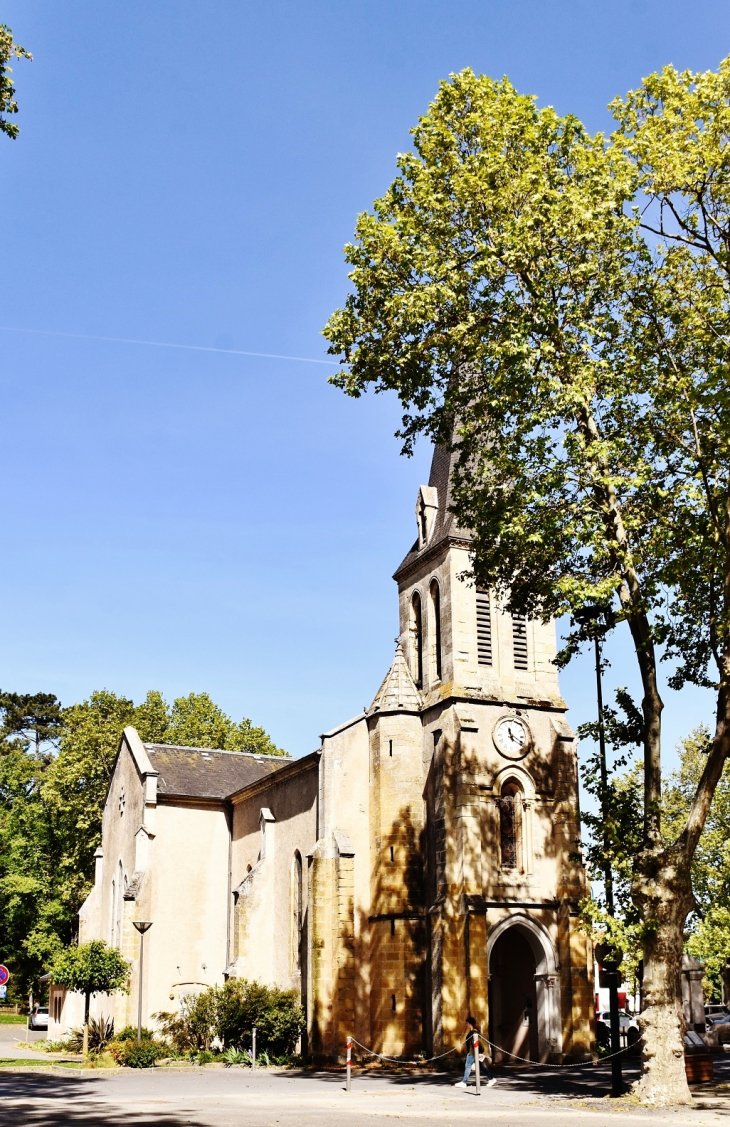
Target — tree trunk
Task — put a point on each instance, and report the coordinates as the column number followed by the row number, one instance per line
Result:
column 662, row 890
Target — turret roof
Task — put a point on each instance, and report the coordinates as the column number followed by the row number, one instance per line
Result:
column 398, row 691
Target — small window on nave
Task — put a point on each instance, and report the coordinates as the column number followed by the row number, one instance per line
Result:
column 484, row 628
column 296, row 913
column 519, row 640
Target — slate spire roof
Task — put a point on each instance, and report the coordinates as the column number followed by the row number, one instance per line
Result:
column 445, row 525
column 398, row 691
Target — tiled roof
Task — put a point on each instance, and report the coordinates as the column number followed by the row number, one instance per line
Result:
column 198, row 772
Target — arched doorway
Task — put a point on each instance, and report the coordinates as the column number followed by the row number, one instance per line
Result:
column 524, row 991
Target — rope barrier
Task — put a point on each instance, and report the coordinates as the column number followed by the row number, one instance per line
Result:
column 399, row 1060
column 499, row 1049
column 578, row 1064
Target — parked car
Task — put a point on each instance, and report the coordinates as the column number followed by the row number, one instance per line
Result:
column 714, row 1011
column 719, row 1024
column 626, row 1020
column 39, row 1018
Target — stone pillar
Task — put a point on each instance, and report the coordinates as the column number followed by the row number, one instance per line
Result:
column 693, row 998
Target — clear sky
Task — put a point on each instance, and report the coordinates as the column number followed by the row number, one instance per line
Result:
column 188, row 173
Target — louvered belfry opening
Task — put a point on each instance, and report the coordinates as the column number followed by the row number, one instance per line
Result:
column 519, row 640
column 484, row 628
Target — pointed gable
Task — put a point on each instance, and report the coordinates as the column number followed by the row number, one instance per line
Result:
column 398, row 692
column 433, row 507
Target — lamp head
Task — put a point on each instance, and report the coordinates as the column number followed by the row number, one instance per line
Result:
column 142, row 925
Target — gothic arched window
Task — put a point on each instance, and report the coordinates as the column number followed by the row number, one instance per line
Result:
column 510, row 825
column 113, row 925
column 296, row 912
column 436, row 629
column 417, row 639
column 119, row 915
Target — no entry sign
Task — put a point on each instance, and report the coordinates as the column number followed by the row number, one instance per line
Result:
column 4, row 975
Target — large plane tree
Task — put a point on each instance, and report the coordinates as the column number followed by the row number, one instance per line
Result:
column 556, row 306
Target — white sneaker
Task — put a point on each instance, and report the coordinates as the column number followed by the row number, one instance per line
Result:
column 492, row 1082
column 460, row 1084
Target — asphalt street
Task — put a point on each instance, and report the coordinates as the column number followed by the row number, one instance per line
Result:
column 217, row 1097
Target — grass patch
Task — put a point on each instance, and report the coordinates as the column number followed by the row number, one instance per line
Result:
column 21, row 1062
column 13, row 1019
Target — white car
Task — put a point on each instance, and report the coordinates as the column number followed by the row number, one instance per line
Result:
column 626, row 1021
column 39, row 1018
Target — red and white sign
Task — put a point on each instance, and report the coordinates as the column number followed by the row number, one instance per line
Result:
column 4, row 975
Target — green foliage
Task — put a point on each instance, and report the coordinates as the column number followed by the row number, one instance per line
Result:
column 230, row 1012
column 8, row 105
column 129, row 1033
column 92, row 968
column 139, row 1054
column 276, row 1014
column 709, row 937
column 236, row 1056
column 195, row 721
column 101, row 1032
column 51, row 804
column 194, row 1025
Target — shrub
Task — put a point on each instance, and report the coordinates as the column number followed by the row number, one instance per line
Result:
column 139, row 1054
column 194, row 1026
column 236, row 1056
column 276, row 1013
column 101, row 1032
column 129, row 1033
column 205, row 1057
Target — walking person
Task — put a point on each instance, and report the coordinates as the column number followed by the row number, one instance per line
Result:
column 471, row 1029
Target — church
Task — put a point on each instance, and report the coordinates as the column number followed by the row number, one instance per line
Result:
column 419, row 865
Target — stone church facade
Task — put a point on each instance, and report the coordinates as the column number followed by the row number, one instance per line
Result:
column 418, row 865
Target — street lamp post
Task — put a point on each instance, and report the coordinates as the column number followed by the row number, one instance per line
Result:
column 589, row 617
column 142, row 926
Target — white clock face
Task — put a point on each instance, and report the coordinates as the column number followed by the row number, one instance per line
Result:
column 511, row 737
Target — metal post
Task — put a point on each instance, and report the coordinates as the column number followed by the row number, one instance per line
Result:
column 475, row 1037
column 349, row 1061
column 142, row 926
column 253, row 1047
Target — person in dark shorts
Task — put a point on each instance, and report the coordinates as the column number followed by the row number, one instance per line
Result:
column 471, row 1029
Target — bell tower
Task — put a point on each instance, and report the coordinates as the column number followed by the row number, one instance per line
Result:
column 457, row 638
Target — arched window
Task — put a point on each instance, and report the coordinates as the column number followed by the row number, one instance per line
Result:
column 296, row 913
column 113, row 924
column 417, row 639
column 510, row 825
column 435, row 625
column 120, row 905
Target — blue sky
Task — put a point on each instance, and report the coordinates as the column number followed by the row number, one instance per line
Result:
column 188, row 173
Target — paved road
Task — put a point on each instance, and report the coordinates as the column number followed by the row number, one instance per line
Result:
column 10, row 1035
column 228, row 1097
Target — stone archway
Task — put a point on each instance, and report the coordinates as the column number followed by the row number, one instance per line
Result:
column 524, row 1010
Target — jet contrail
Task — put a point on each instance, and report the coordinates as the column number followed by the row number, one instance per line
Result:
column 167, row 344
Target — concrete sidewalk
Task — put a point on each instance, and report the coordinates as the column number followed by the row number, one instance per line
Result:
column 217, row 1097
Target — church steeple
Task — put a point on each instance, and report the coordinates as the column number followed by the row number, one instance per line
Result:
column 455, row 638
